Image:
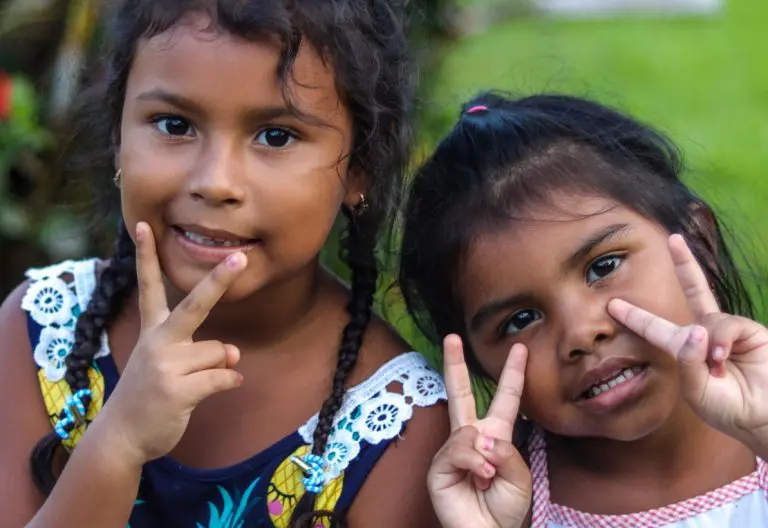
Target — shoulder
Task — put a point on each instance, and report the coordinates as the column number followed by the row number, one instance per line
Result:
column 21, row 410
column 395, row 491
column 13, row 323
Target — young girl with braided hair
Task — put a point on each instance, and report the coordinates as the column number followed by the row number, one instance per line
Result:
column 553, row 247
column 237, row 132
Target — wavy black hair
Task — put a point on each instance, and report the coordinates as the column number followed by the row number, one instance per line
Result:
column 365, row 44
column 505, row 154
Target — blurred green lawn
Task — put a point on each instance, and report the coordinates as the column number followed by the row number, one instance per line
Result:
column 704, row 81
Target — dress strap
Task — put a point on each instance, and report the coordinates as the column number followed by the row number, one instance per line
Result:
column 539, row 472
column 54, row 300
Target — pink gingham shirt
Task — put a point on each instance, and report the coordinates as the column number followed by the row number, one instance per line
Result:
column 740, row 504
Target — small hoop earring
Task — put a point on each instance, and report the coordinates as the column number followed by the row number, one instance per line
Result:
column 118, row 178
column 361, row 206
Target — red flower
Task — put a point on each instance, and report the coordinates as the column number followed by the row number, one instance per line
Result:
column 5, row 95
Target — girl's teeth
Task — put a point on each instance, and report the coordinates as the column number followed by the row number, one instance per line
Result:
column 623, row 376
column 205, row 241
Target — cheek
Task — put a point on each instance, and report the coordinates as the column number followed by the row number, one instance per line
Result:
column 300, row 208
column 151, row 176
column 541, row 390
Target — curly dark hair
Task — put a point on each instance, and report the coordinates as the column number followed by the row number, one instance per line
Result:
column 364, row 42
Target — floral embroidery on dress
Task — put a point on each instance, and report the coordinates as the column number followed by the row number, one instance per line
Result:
column 55, row 305
column 373, row 414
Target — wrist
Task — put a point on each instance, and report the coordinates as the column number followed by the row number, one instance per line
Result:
column 757, row 441
column 110, row 442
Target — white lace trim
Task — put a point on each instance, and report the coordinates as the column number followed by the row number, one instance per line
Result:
column 369, row 412
column 373, row 414
column 55, row 305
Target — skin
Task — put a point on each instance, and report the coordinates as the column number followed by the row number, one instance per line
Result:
column 650, row 451
column 272, row 306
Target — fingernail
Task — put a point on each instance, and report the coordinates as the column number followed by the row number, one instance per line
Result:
column 140, row 232
column 233, row 261
column 719, row 353
column 487, row 443
column 696, row 335
column 489, row 469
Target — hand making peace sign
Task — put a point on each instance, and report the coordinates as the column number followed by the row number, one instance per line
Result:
column 478, row 478
column 168, row 374
column 722, row 358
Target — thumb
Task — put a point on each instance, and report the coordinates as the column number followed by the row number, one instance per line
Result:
column 692, row 363
column 509, row 465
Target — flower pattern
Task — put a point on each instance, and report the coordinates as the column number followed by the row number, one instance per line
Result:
column 53, row 304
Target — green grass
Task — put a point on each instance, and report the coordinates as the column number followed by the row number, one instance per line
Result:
column 704, row 81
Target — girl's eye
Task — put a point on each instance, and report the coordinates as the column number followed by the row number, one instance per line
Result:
column 603, row 267
column 173, row 126
column 519, row 321
column 275, row 138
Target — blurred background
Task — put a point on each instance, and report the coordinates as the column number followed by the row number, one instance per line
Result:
column 694, row 68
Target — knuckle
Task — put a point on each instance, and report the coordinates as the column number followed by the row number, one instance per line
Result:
column 164, row 369
column 192, row 304
column 453, row 451
column 468, row 433
column 219, row 352
column 510, row 390
column 221, row 276
column 462, row 392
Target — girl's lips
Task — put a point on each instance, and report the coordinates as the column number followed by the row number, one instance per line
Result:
column 617, row 395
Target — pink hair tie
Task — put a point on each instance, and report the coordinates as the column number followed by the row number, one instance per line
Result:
column 477, row 108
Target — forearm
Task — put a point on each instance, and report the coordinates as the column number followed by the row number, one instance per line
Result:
column 98, row 487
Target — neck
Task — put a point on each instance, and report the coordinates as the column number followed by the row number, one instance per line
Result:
column 683, row 444
column 268, row 315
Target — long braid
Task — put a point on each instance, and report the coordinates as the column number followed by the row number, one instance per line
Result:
column 358, row 249
column 114, row 286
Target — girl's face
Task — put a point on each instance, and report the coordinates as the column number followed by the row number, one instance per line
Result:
column 213, row 159
column 546, row 282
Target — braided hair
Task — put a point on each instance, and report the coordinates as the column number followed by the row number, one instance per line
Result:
column 357, row 250
column 364, row 42
column 115, row 285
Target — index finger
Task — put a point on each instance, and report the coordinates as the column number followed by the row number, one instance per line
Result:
column 187, row 317
column 506, row 401
column 461, row 401
column 692, row 279
column 654, row 329
column 153, row 304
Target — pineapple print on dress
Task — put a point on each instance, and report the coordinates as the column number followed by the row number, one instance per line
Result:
column 56, row 393
column 286, row 489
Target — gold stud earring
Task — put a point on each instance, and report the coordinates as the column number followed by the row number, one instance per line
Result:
column 118, row 178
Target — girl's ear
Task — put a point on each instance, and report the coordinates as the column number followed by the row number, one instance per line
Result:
column 356, row 190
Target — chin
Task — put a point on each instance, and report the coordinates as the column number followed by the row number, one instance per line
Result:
column 627, row 426
column 185, row 279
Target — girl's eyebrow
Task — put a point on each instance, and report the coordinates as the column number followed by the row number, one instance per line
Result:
column 592, row 241
column 487, row 311
column 253, row 114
